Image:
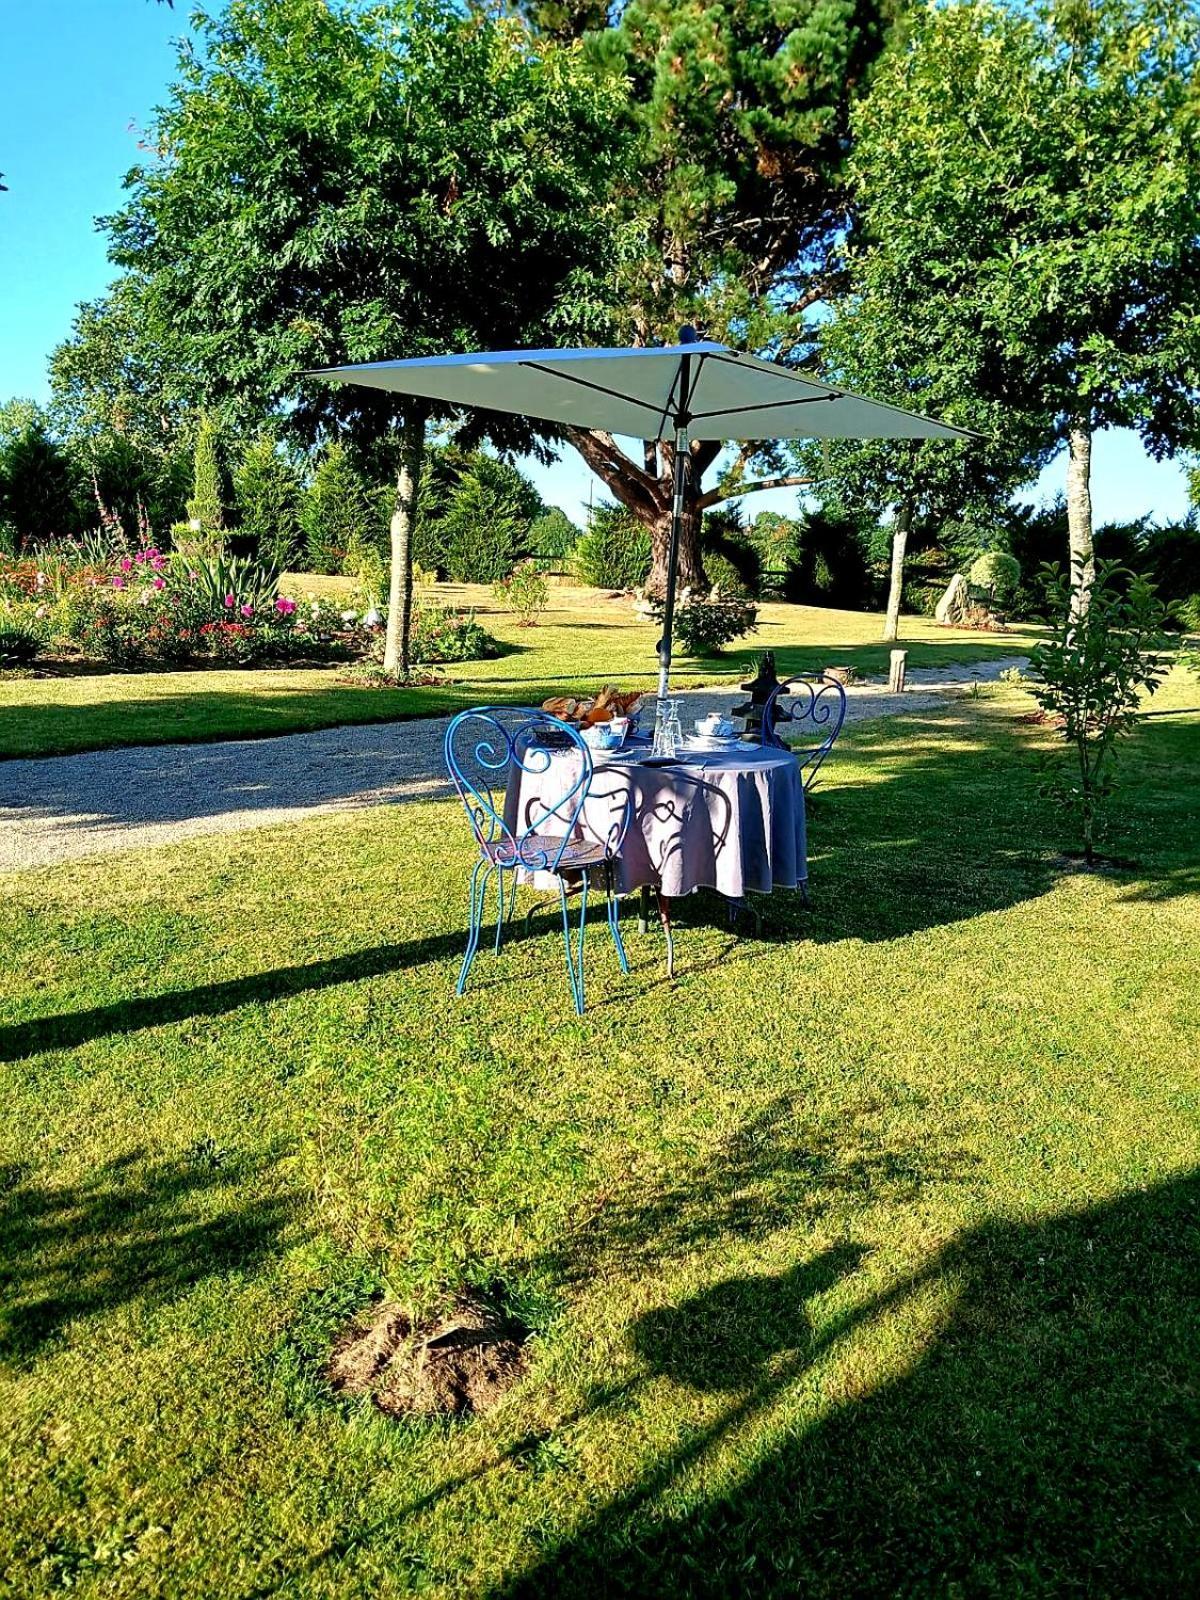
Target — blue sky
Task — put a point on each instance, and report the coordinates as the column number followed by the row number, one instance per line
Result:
column 78, row 78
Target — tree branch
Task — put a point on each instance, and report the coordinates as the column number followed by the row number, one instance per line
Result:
column 633, row 487
column 735, row 491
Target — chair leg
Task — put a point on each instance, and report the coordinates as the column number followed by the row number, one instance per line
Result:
column 480, row 874
column 501, row 915
column 614, row 917
column 574, row 966
column 664, row 917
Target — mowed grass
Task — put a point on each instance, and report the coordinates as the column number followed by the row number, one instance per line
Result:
column 861, row 1259
column 583, row 641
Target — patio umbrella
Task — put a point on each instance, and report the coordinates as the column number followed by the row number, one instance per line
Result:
column 692, row 390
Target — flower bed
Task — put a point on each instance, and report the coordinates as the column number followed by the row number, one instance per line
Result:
column 145, row 608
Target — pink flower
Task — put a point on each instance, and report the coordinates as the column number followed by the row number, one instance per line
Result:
column 118, row 583
column 160, row 583
column 247, row 610
column 126, row 564
column 284, row 606
column 230, row 602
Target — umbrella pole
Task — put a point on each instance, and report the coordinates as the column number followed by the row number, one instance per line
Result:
column 664, row 644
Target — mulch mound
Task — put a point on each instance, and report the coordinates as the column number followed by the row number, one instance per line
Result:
column 457, row 1365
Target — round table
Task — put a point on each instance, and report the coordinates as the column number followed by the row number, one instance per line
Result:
column 730, row 820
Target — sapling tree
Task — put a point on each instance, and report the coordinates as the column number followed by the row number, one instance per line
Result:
column 1090, row 676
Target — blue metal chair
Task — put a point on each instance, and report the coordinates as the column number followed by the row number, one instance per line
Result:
column 817, row 707
column 491, row 748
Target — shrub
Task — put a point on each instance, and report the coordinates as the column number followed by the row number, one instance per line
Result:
column 702, row 627
column 997, row 573
column 267, row 490
column 1187, row 614
column 336, row 510
column 440, row 634
column 226, row 583
column 614, row 553
column 552, row 538
column 1090, row 674
column 524, row 592
column 724, row 578
column 20, row 643
column 732, row 561
column 206, row 505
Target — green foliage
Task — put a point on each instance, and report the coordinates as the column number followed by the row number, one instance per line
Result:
column 442, row 635
column 37, row 499
column 267, row 491
column 996, row 572
column 351, row 183
column 702, row 627
column 614, row 550
column 735, row 179
column 1023, row 173
column 206, row 505
column 1090, row 676
column 524, row 592
column 552, row 538
column 833, row 565
column 226, row 582
column 20, row 642
column 115, row 378
column 732, row 562
column 485, row 525
column 336, row 512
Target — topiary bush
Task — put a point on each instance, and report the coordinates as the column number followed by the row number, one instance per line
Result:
column 997, row 573
column 614, row 553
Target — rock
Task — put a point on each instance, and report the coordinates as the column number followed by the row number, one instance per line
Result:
column 954, row 605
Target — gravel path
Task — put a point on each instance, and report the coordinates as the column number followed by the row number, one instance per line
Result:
column 65, row 807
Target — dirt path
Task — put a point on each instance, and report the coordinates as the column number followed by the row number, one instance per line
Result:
column 63, row 807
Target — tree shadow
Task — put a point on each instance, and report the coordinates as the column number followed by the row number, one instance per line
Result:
column 136, row 1230
column 780, row 1168
column 1045, row 1442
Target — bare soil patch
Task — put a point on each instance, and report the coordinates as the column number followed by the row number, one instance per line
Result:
column 457, row 1365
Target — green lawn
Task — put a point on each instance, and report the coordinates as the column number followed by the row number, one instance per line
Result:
column 861, row 1258
column 583, row 641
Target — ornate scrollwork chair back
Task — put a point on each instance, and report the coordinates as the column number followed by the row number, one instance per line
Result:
column 550, row 829
column 814, row 709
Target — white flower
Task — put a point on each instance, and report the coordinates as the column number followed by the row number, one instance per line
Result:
column 349, row 616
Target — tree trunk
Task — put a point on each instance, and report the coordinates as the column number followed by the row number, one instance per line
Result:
column 403, row 526
column 891, row 625
column 691, row 568
column 1079, row 515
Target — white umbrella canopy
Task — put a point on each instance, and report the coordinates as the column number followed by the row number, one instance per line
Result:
column 711, row 390
column 696, row 389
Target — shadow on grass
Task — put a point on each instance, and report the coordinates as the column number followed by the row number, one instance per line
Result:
column 939, row 832
column 72, row 1028
column 135, row 1230
column 781, row 1168
column 1044, row 1442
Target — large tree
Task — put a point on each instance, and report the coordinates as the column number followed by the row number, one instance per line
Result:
column 1028, row 179
column 339, row 182
column 730, row 202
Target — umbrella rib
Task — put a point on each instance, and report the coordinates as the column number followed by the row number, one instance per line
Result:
column 767, row 405
column 584, row 383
